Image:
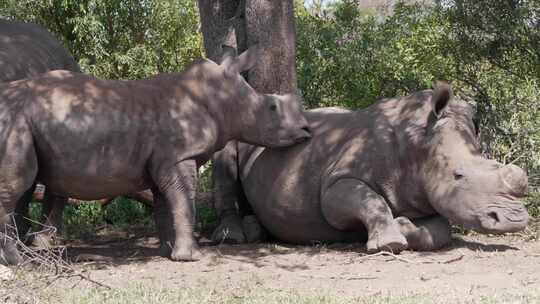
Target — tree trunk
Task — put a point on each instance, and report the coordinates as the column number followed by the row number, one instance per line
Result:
column 221, row 23
column 270, row 23
column 242, row 23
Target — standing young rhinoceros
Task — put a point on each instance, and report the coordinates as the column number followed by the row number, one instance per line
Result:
column 88, row 138
column 27, row 50
column 395, row 173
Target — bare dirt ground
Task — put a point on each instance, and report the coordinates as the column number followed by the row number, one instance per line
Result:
column 473, row 267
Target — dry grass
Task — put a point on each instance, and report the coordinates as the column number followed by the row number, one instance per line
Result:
column 41, row 269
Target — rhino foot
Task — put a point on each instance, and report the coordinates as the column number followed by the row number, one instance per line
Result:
column 387, row 239
column 229, row 231
column 186, row 253
column 253, row 230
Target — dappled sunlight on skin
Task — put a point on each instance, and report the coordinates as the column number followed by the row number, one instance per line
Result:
column 97, row 138
column 406, row 150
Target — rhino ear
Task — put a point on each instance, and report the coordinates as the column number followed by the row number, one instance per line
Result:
column 246, row 60
column 442, row 94
column 228, row 56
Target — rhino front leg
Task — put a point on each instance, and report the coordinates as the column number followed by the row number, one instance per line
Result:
column 349, row 204
column 425, row 234
column 226, row 187
column 176, row 193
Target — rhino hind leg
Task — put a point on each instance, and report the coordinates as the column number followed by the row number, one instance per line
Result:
column 51, row 219
column 18, row 171
column 22, row 212
column 351, row 205
column 227, row 192
column 425, row 234
column 164, row 223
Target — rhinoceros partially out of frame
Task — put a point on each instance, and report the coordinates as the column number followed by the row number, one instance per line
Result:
column 395, row 173
column 27, row 50
column 88, row 138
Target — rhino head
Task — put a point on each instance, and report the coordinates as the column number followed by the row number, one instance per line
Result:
column 462, row 185
column 260, row 119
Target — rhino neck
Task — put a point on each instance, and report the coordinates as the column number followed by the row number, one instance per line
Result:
column 202, row 85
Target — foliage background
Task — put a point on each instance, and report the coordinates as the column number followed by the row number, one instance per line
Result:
column 346, row 55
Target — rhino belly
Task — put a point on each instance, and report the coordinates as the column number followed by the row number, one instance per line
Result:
column 94, row 187
column 284, row 194
column 93, row 166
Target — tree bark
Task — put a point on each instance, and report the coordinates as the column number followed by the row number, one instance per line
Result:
column 270, row 23
column 222, row 23
column 243, row 23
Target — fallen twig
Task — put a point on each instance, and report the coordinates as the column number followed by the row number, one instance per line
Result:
column 48, row 265
column 347, row 278
column 386, row 253
column 396, row 257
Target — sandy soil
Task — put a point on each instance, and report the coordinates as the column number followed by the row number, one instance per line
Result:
column 471, row 268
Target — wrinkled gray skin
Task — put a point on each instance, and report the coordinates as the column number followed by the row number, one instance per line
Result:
column 87, row 138
column 395, row 174
column 27, row 50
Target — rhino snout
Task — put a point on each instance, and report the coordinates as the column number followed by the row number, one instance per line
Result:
column 497, row 219
column 303, row 134
column 515, row 179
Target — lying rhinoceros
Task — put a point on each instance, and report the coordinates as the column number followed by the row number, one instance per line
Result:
column 88, row 138
column 27, row 50
column 395, row 173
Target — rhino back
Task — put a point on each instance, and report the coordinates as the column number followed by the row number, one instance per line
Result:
column 28, row 50
column 283, row 185
column 88, row 130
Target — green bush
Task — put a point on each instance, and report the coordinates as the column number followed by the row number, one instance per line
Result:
column 81, row 221
column 124, row 39
column 123, row 212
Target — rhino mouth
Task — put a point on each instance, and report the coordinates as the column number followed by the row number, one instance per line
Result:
column 301, row 136
column 501, row 218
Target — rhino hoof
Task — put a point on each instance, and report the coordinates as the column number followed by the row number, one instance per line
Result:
column 229, row 232
column 389, row 240
column 187, row 254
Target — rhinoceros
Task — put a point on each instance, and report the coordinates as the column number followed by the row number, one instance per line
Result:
column 395, row 173
column 27, row 50
column 88, row 138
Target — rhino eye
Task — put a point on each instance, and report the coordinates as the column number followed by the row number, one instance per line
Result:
column 273, row 107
